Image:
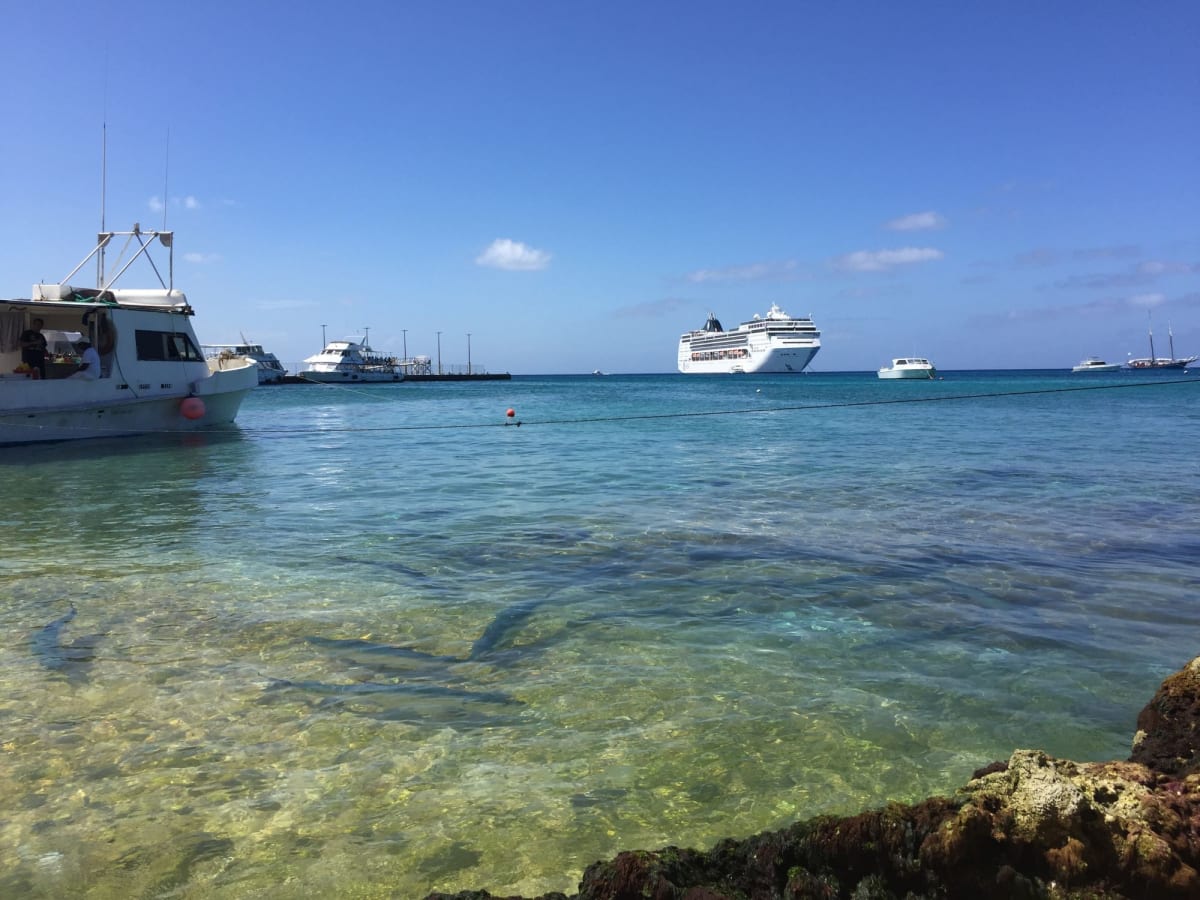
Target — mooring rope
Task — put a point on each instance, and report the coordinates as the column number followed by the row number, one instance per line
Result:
column 807, row 407
column 512, row 421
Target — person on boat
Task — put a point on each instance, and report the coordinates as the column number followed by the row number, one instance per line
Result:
column 33, row 347
column 89, row 365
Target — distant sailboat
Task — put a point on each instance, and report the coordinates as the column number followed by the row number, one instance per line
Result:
column 1158, row 362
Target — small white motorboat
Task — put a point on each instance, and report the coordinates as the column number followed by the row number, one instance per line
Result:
column 1096, row 364
column 909, row 367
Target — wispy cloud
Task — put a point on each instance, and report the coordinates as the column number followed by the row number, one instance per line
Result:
column 1048, row 256
column 202, row 258
column 1101, row 281
column 1039, row 256
column 1147, row 301
column 764, row 271
column 921, row 221
column 157, row 204
column 514, row 256
column 1154, row 267
column 883, row 260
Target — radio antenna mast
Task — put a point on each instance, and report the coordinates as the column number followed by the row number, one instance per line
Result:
column 103, row 238
column 166, row 177
column 103, row 200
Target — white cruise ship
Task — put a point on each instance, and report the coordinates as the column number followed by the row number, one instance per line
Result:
column 774, row 343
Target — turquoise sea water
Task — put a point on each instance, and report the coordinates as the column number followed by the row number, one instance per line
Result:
column 376, row 642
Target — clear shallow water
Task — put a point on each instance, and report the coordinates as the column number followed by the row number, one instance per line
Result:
column 376, row 643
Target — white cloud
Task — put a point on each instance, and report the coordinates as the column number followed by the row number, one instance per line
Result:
column 752, row 272
column 514, row 256
column 201, row 258
column 882, row 260
column 1147, row 301
column 917, row 222
column 157, row 204
column 1164, row 267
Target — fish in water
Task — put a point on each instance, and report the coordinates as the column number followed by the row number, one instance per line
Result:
column 382, row 657
column 430, row 691
column 362, row 688
column 398, row 568
column 417, row 704
column 501, row 629
column 54, row 654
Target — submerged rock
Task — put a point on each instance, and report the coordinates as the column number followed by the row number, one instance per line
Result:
column 1033, row 827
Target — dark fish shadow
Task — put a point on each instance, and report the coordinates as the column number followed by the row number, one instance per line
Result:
column 398, row 568
column 54, row 654
column 411, row 703
column 429, row 688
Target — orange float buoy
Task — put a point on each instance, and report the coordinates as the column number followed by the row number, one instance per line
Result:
column 191, row 408
column 511, row 412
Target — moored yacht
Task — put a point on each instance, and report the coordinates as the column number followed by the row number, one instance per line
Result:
column 774, row 343
column 1096, row 364
column 1159, row 363
column 110, row 361
column 270, row 369
column 345, row 362
column 909, row 367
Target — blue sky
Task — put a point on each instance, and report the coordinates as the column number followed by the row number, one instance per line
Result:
column 575, row 184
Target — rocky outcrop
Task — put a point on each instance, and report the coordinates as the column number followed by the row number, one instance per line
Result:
column 1031, row 827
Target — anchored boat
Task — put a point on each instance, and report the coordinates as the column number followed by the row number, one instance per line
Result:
column 111, row 361
column 909, row 367
column 1159, row 363
column 343, row 362
column 774, row 343
column 270, row 369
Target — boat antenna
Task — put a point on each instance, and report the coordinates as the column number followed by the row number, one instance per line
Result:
column 166, row 176
column 103, row 238
column 103, row 198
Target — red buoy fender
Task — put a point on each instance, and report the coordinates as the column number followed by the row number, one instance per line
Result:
column 191, row 408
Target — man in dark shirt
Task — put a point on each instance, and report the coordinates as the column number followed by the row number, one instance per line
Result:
column 33, row 347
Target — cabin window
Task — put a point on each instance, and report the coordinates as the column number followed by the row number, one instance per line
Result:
column 166, row 346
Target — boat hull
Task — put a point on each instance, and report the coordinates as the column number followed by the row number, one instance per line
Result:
column 906, row 374
column 1159, row 365
column 88, row 410
column 779, row 361
column 351, row 377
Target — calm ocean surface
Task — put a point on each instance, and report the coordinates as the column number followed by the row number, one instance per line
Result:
column 375, row 642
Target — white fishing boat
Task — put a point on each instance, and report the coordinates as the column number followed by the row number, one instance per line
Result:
column 270, row 369
column 1096, row 364
column 909, row 367
column 1159, row 363
column 774, row 343
column 352, row 362
column 145, row 372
